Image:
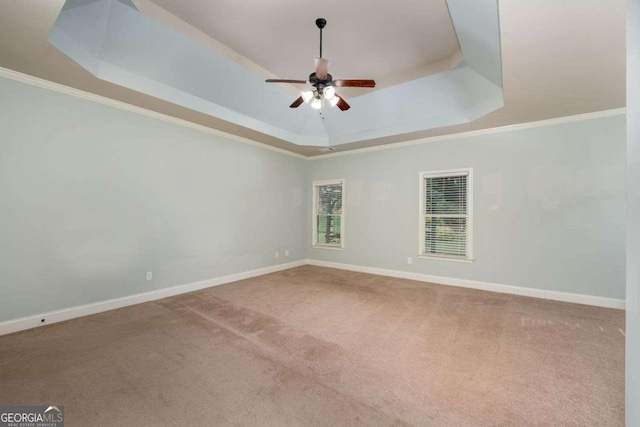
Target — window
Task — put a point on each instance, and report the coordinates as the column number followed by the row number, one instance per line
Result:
column 445, row 214
column 328, row 219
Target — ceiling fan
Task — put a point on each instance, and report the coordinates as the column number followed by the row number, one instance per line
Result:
column 323, row 83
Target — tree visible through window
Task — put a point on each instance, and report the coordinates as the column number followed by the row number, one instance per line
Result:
column 328, row 224
column 445, row 221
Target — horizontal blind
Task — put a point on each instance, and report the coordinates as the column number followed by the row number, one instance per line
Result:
column 446, row 214
column 329, row 214
column 329, row 199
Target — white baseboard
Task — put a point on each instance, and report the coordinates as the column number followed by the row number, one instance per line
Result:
column 473, row 284
column 29, row 322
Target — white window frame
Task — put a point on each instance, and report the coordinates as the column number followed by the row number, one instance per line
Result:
column 421, row 214
column 314, row 215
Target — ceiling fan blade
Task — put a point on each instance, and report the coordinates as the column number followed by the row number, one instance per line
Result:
column 322, row 68
column 342, row 104
column 286, row 81
column 354, row 83
column 297, row 103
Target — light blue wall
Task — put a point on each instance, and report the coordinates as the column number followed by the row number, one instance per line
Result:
column 633, row 219
column 549, row 206
column 93, row 197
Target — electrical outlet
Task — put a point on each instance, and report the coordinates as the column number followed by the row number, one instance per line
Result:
column 286, row 253
column 277, row 254
column 149, row 275
column 409, row 260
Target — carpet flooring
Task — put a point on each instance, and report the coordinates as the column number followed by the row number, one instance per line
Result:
column 314, row 346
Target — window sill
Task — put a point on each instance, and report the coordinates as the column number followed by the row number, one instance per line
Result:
column 445, row 258
column 331, row 248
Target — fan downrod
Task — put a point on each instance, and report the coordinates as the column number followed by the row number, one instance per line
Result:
column 321, row 79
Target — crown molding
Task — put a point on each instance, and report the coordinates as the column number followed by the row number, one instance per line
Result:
column 67, row 90
column 488, row 131
column 57, row 87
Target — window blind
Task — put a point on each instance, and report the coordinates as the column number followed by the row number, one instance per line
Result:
column 445, row 214
column 328, row 214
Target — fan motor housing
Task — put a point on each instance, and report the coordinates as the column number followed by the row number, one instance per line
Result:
column 320, row 83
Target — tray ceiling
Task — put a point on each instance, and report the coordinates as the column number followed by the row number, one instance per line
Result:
column 117, row 43
column 559, row 59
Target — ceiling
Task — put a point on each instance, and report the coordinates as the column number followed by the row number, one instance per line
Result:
column 361, row 41
column 114, row 41
column 558, row 58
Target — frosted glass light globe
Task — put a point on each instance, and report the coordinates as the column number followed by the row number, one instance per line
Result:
column 307, row 95
column 329, row 92
column 317, row 103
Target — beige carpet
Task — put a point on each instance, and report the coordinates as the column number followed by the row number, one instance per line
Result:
column 317, row 346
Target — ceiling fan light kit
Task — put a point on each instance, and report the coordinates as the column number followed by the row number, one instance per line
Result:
column 317, row 99
column 324, row 91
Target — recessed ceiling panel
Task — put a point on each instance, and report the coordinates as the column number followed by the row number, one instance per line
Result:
column 362, row 38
